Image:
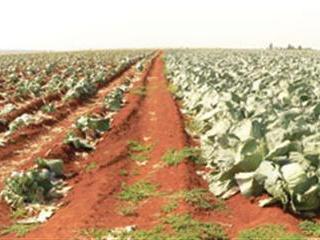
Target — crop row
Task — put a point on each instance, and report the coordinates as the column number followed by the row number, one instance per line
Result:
column 35, row 192
column 256, row 115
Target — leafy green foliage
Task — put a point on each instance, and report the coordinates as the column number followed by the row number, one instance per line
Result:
column 173, row 157
column 48, row 108
column 136, row 146
column 185, row 227
column 268, row 232
column 95, row 233
column 35, row 185
column 170, row 206
column 139, row 157
column 137, row 191
column 138, row 151
column 82, row 90
column 114, row 100
column 19, row 213
column 97, row 124
column 256, row 115
column 310, row 228
column 21, row 121
column 77, row 142
column 182, row 227
column 200, row 198
column 19, row 230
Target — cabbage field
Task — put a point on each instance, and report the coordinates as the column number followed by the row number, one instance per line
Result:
column 190, row 144
column 256, row 114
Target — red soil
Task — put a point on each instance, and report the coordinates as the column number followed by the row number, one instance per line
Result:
column 154, row 119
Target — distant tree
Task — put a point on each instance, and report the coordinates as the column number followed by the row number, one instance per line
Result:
column 290, row 47
column 300, row 47
column 271, row 46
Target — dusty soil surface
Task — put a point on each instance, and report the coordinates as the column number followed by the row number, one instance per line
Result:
column 151, row 118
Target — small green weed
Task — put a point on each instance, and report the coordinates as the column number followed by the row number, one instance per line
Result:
column 135, row 146
column 183, row 227
column 19, row 213
column 137, row 191
column 138, row 151
column 129, row 209
column 139, row 157
column 173, row 157
column 19, row 230
column 268, row 232
column 200, row 198
column 48, row 108
column 170, row 206
column 310, row 228
column 95, row 233
column 90, row 166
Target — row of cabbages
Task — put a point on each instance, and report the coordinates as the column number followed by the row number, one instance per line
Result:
column 89, row 128
column 36, row 191
column 257, row 116
column 74, row 88
column 39, row 74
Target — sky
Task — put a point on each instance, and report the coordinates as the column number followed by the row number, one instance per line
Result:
column 100, row 24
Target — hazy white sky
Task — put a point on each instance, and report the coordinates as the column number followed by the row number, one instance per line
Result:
column 92, row 24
